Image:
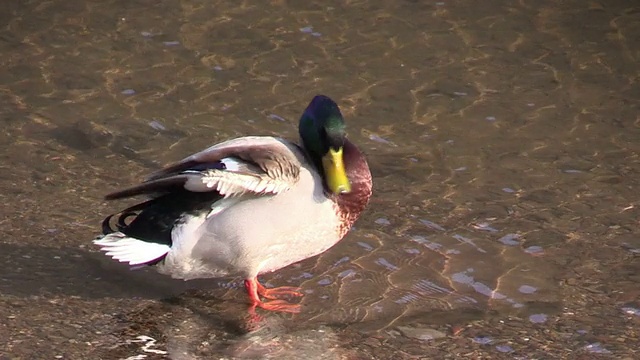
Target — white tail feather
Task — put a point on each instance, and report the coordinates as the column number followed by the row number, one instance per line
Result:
column 133, row 251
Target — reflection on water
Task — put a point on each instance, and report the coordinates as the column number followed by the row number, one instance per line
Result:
column 503, row 139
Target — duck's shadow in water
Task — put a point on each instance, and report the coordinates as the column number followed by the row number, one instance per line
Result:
column 202, row 308
column 200, row 318
column 27, row 270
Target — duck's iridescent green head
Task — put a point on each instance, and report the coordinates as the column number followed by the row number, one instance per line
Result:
column 322, row 130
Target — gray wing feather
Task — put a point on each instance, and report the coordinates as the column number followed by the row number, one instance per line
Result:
column 262, row 165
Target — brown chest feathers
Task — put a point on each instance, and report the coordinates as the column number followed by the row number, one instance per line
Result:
column 350, row 206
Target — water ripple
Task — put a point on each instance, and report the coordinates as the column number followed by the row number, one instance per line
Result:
column 466, row 240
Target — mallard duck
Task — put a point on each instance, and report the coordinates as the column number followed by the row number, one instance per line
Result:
column 247, row 206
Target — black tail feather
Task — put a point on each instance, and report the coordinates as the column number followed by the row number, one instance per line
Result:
column 154, row 219
column 122, row 216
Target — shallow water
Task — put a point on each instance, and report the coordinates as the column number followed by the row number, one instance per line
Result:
column 503, row 139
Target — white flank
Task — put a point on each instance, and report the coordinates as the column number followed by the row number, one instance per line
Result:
column 223, row 204
column 133, row 251
column 188, row 229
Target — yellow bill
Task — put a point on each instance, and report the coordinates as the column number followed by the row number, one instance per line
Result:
column 335, row 172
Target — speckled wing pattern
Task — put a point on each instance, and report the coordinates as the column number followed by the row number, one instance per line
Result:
column 254, row 164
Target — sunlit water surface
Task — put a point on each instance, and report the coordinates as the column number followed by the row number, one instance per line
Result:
column 503, row 136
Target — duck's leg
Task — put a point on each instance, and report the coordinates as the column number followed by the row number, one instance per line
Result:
column 255, row 290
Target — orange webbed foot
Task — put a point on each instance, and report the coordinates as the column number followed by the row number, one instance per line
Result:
column 278, row 292
column 257, row 290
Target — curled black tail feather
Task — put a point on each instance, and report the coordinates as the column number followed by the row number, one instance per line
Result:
column 106, row 226
column 154, row 219
column 122, row 216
